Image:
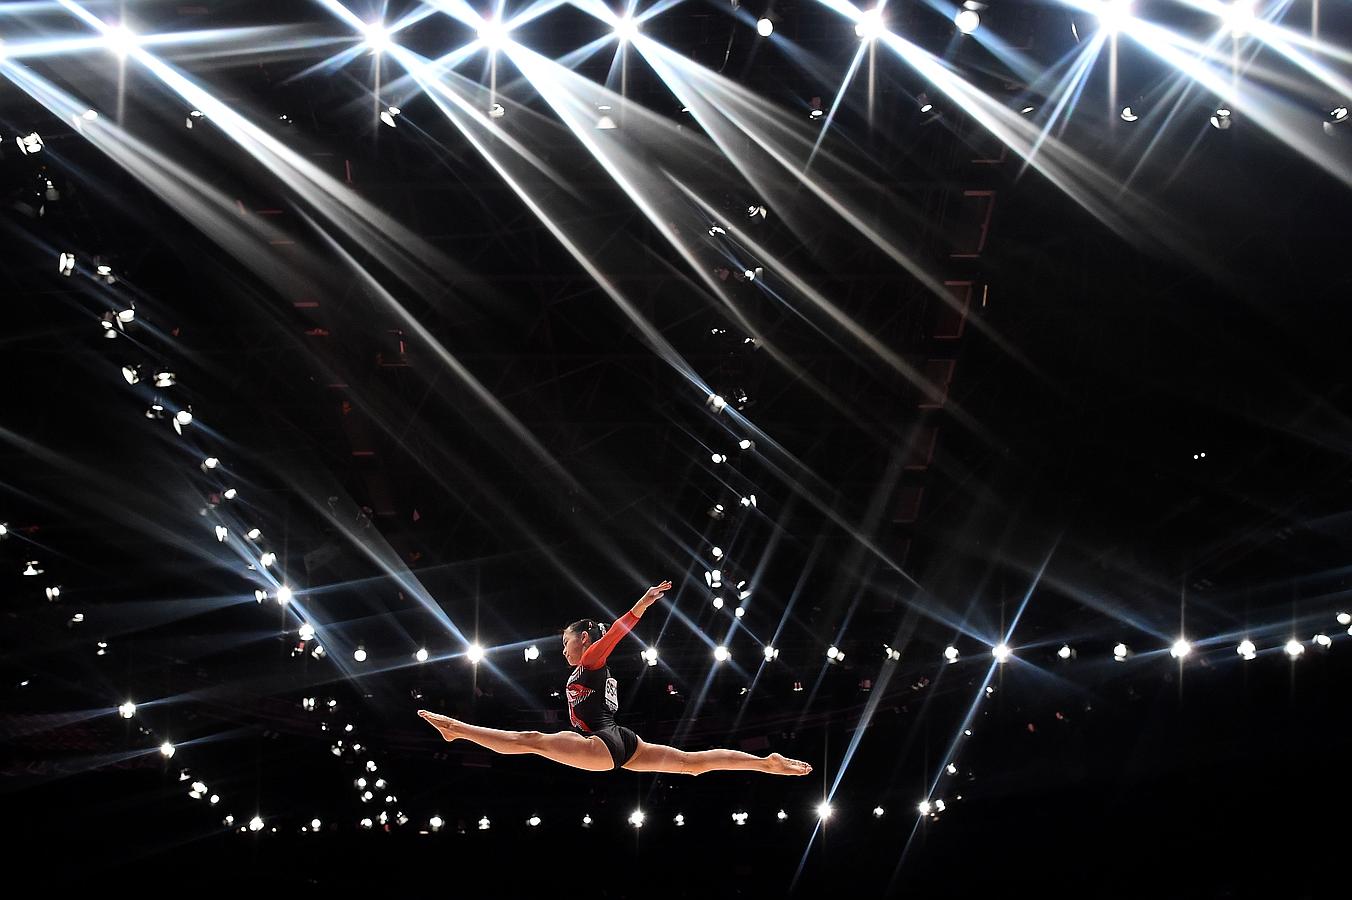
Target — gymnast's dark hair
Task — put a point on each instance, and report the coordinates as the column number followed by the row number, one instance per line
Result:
column 590, row 626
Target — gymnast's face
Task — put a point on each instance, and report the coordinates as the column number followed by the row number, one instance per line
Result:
column 574, row 645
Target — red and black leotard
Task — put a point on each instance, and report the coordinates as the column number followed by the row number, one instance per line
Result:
column 593, row 695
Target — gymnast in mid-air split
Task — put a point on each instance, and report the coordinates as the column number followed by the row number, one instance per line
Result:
column 598, row 744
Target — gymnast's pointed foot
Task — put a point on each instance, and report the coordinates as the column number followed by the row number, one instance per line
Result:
column 448, row 727
column 780, row 765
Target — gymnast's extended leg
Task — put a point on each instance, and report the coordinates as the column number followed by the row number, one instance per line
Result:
column 661, row 758
column 566, row 747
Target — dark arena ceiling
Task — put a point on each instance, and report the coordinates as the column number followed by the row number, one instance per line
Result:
column 976, row 373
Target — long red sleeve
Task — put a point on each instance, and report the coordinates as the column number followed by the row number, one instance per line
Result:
column 595, row 656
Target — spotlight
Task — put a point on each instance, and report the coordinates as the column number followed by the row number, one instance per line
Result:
column 221, row 533
column 1027, row 109
column 650, row 655
column 267, row 559
column 1001, row 653
column 283, row 594
column 1238, row 17
column 1128, row 115
column 210, row 462
column 307, row 633
column 870, row 25
column 1065, row 652
column 29, row 144
column 926, row 106
column 493, row 34
column 1120, row 652
column 951, row 769
column 771, row 654
column 435, row 823
column 951, row 654
column 475, row 653
column 1343, row 618
column 716, row 403
column 714, row 578
column 532, row 653
column 1221, row 120
column 260, row 595
column 939, row 806
column 815, row 110
column 586, row 821
column 253, row 534
column 877, row 812
column 781, row 815
column 497, row 111
column 605, row 122
column 824, row 810
column 1323, row 640
column 484, row 824
column 721, row 654
column 718, row 603
column 120, row 40
column 924, row 807
column 893, row 655
column 1336, row 122
column 764, row 27
column 739, row 612
column 1180, row 649
column 421, row 655
column 749, row 501
column 626, row 29
column 66, row 264
column 167, row 750
column 715, row 230
column 377, row 37
column 359, row 654
column 739, row 818
column 636, row 818
column 967, row 20
column 716, row 553
column 183, row 417
column 132, row 374
column 1246, row 649
column 719, row 458
column 1114, row 14
column 156, row 411
column 1294, row 648
column 193, row 116
column 833, row 652
column 387, row 115
column 32, row 568
column 127, row 709
column 53, row 593
column 533, row 821
column 230, row 494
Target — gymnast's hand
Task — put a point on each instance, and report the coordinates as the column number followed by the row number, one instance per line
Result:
column 653, row 595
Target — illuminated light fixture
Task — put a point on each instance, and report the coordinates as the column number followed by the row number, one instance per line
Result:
column 715, row 230
column 824, row 810
column 89, row 115
column 753, row 274
column 636, row 818
column 739, row 818
column 650, row 655
column 497, row 111
column 183, row 417
column 532, row 653
column 716, row 403
column 167, row 750
column 714, row 578
column 421, row 655
column 878, row 812
column 132, row 374
column 870, row 25
column 307, row 633
column 1238, row 17
column 1065, row 652
column 475, row 653
column 533, row 821
column 127, row 709
column 210, row 462
column 1180, row 649
column 924, row 807
column 1246, row 649
column 120, row 40
column 781, row 815
column 377, row 37
column 718, row 603
column 719, row 458
column 4, row 530
column 1128, row 115
column 951, row 769
column 967, row 20
column 739, row 612
column 103, row 648
column 925, row 104
column 1001, row 652
column 260, row 595
column 626, row 29
column 308, row 704
column 66, row 264
column 815, row 110
column 283, row 594
column 253, row 534
column 745, row 444
column 1323, row 640
column 951, row 654
column 1221, row 119
column 1343, row 618
column 106, row 273
column 32, row 568
column 315, row 824
column 749, row 501
column 267, row 559
column 721, row 654
column 367, row 824
column 756, row 212
column 221, row 533
column 586, row 821
column 230, row 494
column 893, row 655
column 492, row 34
column 29, row 144
column 484, row 824
column 359, row 654
column 156, row 411
column 1113, row 15
column 435, row 823
column 54, row 593
column 764, row 27
column 193, row 116
column 1027, row 109
column 387, row 115
column 833, row 652
column 605, row 122
column 1336, row 122
column 716, row 553
column 939, row 806
column 1120, row 652
column 771, row 653
column 717, row 511
column 1294, row 648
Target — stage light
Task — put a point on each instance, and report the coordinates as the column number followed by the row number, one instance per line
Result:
column 717, row 552
column 923, row 101
column 745, row 444
column 230, row 494
column 718, row 603
column 721, row 653
column 221, row 533
column 1294, row 648
column 781, row 815
column 1026, row 110
column 283, row 594
column 940, row 806
column 1246, row 649
column 435, row 823
column 832, row 652
column 359, row 654
column 387, row 115
column 127, row 709
column 870, row 25
column 210, row 462
column 193, row 116
column 532, row 653
column 716, row 402
column 1120, row 652
column 267, row 559
column 253, row 534
column 167, row 750
column 183, row 417
column 1114, row 14
column 714, row 578
column 951, row 769
column 924, row 807
column 1065, row 652
column 771, row 654
column 216, row 798
column 951, row 654
column 626, row 29
column 120, row 40
column 636, row 818
column 53, row 593
column 1343, row 618
column 32, row 568
column 967, row 20
column 66, row 264
column 1323, row 640
column 156, row 411
column 421, row 655
column 586, row 821
column 893, row 655
column 739, row 612
column 260, row 595
column 475, row 653
column 484, row 824
column 497, row 111
column 1220, row 120
column 1180, row 649
column 824, row 810
column 739, row 818
column 1238, row 17
column 877, row 812
column 533, row 821
column 29, row 144
column 650, row 655
column 1001, row 653
column 377, row 37
column 493, row 34
column 764, row 27
column 132, row 374
column 367, row 824
column 307, row 633
column 370, row 765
